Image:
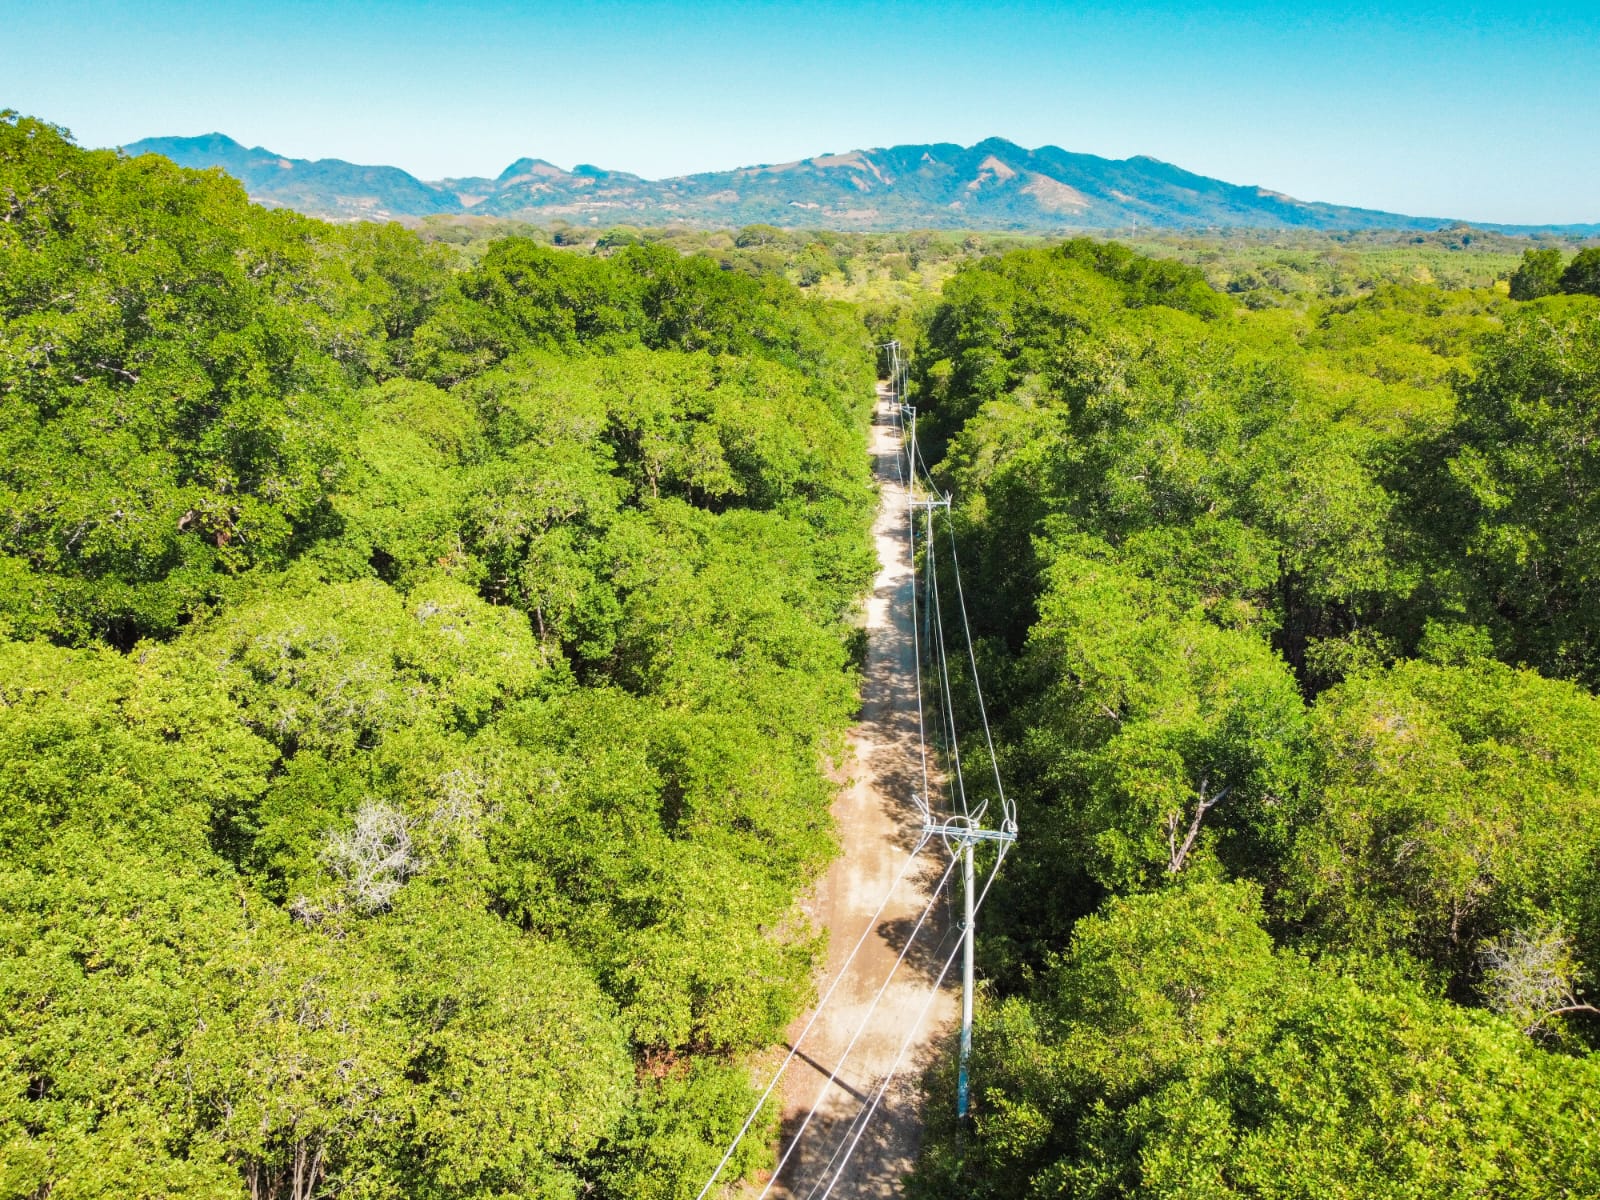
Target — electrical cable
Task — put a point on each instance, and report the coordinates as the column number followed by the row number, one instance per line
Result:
column 944, row 675
column 911, row 1033
column 860, row 1029
column 858, row 1119
column 926, row 473
column 930, row 609
column 907, row 478
column 972, row 656
column 916, row 644
column 872, row 924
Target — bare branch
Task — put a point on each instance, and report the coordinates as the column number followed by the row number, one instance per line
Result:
column 375, row 857
column 1180, row 855
column 1528, row 976
column 1573, row 1008
column 115, row 370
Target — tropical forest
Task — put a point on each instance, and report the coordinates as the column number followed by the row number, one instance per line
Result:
column 430, row 654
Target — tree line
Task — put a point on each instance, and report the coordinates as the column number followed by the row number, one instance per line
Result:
column 1546, row 272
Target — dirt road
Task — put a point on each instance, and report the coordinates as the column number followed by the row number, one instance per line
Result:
column 878, row 826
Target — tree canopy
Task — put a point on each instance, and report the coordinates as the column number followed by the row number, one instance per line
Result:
column 419, row 681
column 1285, row 620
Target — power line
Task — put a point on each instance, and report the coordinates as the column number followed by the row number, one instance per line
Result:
column 860, row 1029
column 968, row 828
column 926, row 473
column 916, row 647
column 977, row 687
column 965, row 829
column 944, row 672
column 899, row 1058
column 821, row 1004
column 944, row 730
column 977, row 690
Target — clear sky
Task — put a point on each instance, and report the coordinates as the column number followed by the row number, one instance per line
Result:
column 1487, row 112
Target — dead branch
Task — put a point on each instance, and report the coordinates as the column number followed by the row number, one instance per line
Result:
column 1178, row 855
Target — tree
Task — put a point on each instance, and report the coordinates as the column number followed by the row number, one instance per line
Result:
column 758, row 235
column 1527, row 470
column 1538, row 275
column 1172, row 1052
column 1457, row 805
column 484, row 631
column 1206, row 548
column 1582, row 276
column 176, row 387
column 1154, row 743
column 1530, row 977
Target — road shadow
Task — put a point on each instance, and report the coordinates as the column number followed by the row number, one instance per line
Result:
column 864, row 1153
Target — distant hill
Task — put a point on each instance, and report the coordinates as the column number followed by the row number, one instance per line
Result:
column 993, row 185
column 327, row 187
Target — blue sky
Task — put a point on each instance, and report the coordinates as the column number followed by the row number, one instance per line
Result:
column 1487, row 112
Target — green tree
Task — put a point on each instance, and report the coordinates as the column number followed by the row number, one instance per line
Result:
column 1173, row 1053
column 1538, row 275
column 1457, row 804
column 1529, row 479
column 1582, row 276
column 175, row 392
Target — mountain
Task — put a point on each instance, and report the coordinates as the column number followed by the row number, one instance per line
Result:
column 993, row 185
column 326, row 187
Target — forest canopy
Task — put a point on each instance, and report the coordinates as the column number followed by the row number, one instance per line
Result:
column 1289, row 631
column 407, row 771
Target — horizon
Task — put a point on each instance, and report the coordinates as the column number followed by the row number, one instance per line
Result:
column 1421, row 108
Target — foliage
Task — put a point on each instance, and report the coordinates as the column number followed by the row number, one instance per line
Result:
column 1538, row 275
column 1268, row 598
column 1526, row 464
column 174, row 386
column 1173, row 1052
column 1582, row 275
column 418, row 681
column 1455, row 804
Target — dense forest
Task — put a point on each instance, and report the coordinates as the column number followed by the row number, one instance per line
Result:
column 1259, row 267
column 416, row 689
column 423, row 653
column 1291, row 626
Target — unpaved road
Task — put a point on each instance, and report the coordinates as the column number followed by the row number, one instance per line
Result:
column 878, row 825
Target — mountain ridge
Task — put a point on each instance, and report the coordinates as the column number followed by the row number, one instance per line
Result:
column 994, row 184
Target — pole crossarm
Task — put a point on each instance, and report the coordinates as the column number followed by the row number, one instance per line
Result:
column 960, row 834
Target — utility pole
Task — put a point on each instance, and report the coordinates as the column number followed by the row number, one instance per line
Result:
column 967, row 932
column 899, row 370
column 911, row 455
column 965, row 833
